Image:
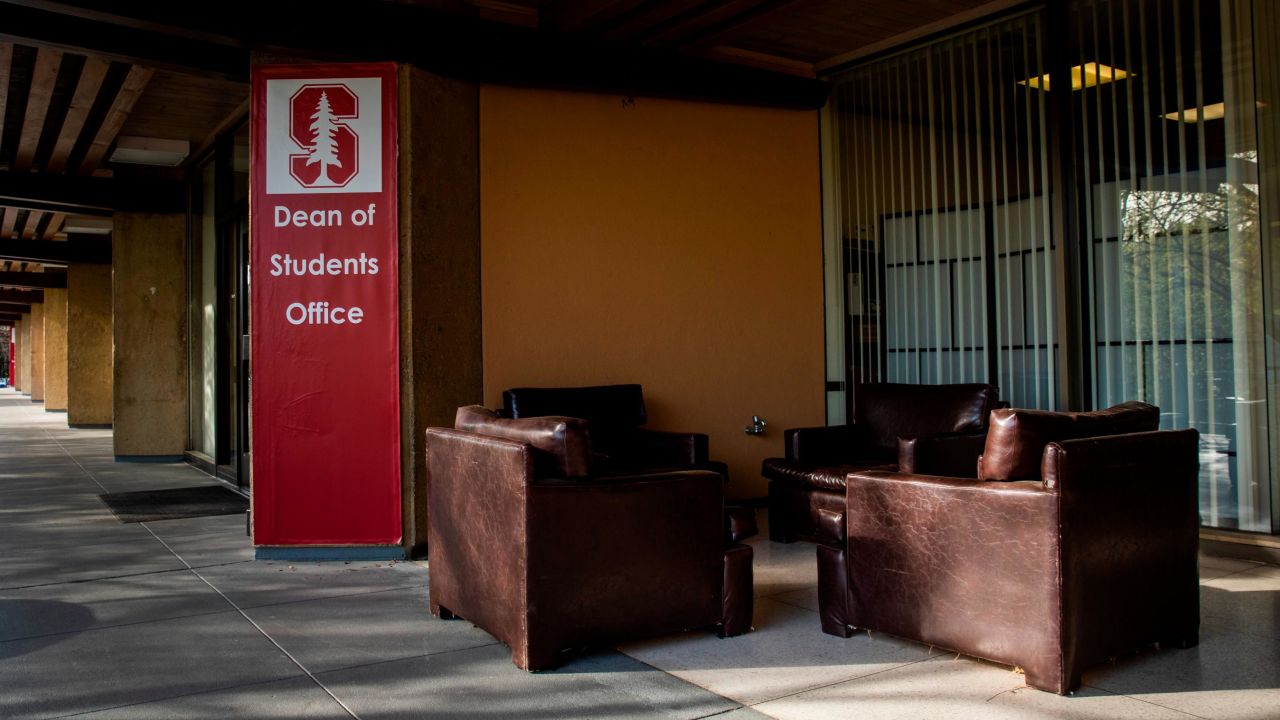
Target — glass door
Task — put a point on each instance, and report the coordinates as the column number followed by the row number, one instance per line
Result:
column 233, row 313
column 939, row 247
column 1168, row 152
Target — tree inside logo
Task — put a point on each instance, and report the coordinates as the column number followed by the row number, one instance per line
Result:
column 330, row 156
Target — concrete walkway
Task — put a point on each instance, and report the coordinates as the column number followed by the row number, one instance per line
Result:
column 174, row 619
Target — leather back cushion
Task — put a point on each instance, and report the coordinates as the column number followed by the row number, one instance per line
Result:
column 562, row 445
column 1017, row 438
column 601, row 405
column 888, row 411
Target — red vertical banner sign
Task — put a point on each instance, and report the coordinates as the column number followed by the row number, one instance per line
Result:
column 324, row 296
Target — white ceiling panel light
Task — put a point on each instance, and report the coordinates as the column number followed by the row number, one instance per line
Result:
column 150, row 151
column 87, row 225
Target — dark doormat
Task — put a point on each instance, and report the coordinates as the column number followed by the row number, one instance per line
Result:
column 175, row 504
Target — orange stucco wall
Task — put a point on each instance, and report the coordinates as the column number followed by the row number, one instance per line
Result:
column 673, row 244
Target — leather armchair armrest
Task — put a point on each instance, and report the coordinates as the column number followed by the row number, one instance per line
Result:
column 831, row 529
column 1130, row 498
column 657, row 447
column 739, row 523
column 1130, row 534
column 477, row 487
column 830, row 445
column 909, row 483
column 945, row 454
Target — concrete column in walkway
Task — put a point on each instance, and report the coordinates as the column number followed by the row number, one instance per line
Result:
column 25, row 355
column 149, row 304
column 20, row 346
column 37, row 352
column 440, row 339
column 55, row 350
column 89, row 359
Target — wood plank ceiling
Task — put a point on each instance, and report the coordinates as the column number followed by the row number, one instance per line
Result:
column 61, row 112
column 800, row 37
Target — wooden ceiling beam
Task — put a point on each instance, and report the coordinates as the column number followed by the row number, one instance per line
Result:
column 653, row 15
column 677, row 28
column 724, row 32
column 56, row 220
column 10, row 307
column 21, row 296
column 507, row 12
column 8, row 221
column 6, row 67
column 575, row 16
column 134, row 84
column 86, row 92
column 764, row 61
column 71, row 28
column 33, row 220
column 33, row 280
column 85, row 195
column 43, row 78
column 95, row 250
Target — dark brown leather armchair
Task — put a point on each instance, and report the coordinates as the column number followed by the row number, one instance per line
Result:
column 529, row 543
column 1072, row 550
column 615, row 415
column 938, row 429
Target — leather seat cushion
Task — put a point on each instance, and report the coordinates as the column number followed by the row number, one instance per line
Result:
column 829, row 477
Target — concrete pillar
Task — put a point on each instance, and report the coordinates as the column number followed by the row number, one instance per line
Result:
column 89, row 359
column 24, row 353
column 16, row 380
column 148, row 295
column 55, row 350
column 440, row 339
column 37, row 352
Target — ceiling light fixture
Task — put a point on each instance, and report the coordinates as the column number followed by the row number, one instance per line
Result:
column 150, row 151
column 1083, row 76
column 1215, row 111
column 87, row 225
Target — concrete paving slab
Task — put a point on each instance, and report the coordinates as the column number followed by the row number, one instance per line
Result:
column 1212, row 567
column 787, row 653
column 35, row 566
column 1228, row 675
column 98, row 669
column 956, row 689
column 807, row 598
column 1247, row 602
column 780, row 568
column 67, row 534
column 204, row 541
column 361, row 629
column 271, row 583
column 72, row 607
column 482, row 683
column 299, row 699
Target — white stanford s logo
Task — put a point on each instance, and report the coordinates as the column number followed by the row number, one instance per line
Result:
column 320, row 133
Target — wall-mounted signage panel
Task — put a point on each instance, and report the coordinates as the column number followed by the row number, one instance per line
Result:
column 325, row 399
